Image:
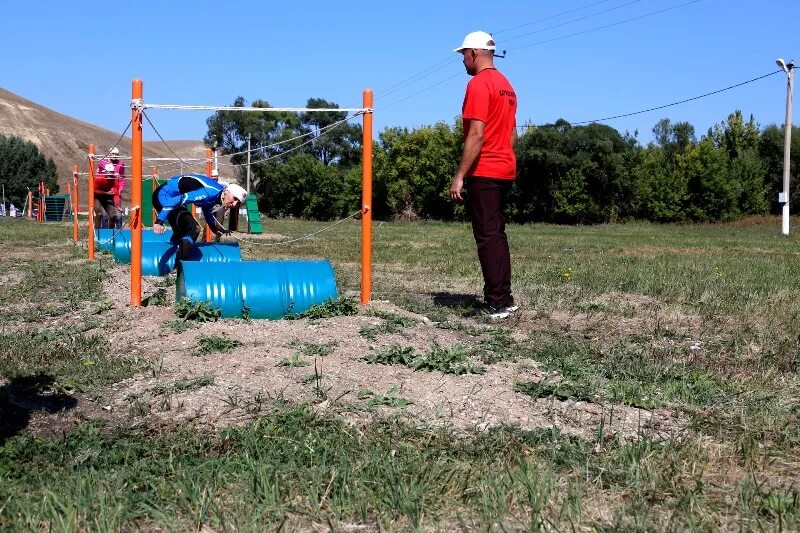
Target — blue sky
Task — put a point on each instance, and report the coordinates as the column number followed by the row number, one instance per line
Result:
column 79, row 58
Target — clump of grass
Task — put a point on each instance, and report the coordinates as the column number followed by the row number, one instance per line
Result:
column 342, row 306
column 180, row 325
column 197, row 311
column 392, row 324
column 182, row 385
column 316, row 349
column 208, row 344
column 499, row 345
column 637, row 377
column 76, row 361
column 390, row 398
column 448, row 360
column 393, row 355
column 445, row 359
column 294, row 361
column 157, row 298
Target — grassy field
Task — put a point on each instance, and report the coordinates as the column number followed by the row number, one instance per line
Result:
column 698, row 323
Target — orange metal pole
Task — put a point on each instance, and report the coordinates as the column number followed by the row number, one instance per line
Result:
column 366, row 201
column 91, row 202
column 209, row 154
column 75, row 202
column 41, row 201
column 30, row 204
column 136, row 194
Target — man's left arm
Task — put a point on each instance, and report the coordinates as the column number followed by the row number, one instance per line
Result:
column 472, row 150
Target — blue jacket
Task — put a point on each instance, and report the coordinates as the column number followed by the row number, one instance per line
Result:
column 186, row 189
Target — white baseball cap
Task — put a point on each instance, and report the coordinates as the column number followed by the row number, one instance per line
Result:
column 215, row 173
column 479, row 40
column 114, row 151
column 237, row 191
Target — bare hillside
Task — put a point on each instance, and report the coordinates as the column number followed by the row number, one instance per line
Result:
column 66, row 140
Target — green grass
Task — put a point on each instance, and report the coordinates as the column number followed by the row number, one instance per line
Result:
column 208, row 344
column 293, row 468
column 699, row 321
column 76, row 362
column 392, row 323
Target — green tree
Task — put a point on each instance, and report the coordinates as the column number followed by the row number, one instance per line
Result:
column 22, row 167
column 596, row 154
column 711, row 193
column 770, row 148
column 414, row 170
column 662, row 192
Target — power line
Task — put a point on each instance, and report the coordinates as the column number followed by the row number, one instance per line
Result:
column 437, row 66
column 574, row 20
column 537, row 43
column 552, row 17
column 675, row 103
column 606, row 26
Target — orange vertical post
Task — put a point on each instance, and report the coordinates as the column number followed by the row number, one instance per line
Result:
column 209, row 154
column 74, row 201
column 30, row 204
column 39, row 209
column 91, row 203
column 366, row 200
column 136, row 193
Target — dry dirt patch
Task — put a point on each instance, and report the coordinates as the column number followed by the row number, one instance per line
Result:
column 235, row 387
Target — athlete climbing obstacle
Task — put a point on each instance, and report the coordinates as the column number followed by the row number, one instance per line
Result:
column 171, row 198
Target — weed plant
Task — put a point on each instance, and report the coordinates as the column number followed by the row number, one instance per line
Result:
column 208, row 344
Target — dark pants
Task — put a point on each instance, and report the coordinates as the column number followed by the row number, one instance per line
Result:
column 180, row 220
column 485, row 203
column 105, row 212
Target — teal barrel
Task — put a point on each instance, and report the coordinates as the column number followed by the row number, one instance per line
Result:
column 122, row 243
column 104, row 238
column 267, row 289
column 158, row 258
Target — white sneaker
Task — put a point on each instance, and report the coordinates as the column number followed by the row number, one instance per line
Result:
column 493, row 313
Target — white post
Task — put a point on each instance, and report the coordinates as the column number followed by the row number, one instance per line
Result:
column 216, row 162
column 248, row 163
column 787, row 147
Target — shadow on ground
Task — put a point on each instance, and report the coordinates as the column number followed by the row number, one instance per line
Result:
column 23, row 396
column 464, row 303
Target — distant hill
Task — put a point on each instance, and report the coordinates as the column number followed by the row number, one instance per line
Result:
column 66, row 140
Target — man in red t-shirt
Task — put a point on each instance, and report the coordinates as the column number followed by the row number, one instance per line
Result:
column 488, row 167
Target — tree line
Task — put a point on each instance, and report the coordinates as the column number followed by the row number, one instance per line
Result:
column 309, row 165
column 565, row 174
column 22, row 167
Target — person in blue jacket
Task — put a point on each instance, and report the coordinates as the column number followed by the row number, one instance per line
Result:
column 171, row 198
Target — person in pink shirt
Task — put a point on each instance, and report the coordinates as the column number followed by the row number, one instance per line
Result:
column 119, row 185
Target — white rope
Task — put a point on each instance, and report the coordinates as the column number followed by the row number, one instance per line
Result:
column 262, row 109
column 298, row 238
column 162, row 138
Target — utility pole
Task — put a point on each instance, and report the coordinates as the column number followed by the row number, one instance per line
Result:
column 4, row 199
column 248, row 163
column 216, row 162
column 783, row 197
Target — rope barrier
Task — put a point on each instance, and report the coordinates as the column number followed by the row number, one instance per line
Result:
column 262, row 109
column 118, row 140
column 308, row 236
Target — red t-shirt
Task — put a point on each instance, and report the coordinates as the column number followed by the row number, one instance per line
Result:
column 491, row 99
column 103, row 181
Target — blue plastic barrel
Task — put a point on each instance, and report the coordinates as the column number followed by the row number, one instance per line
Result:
column 104, row 238
column 268, row 289
column 158, row 258
column 122, row 243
